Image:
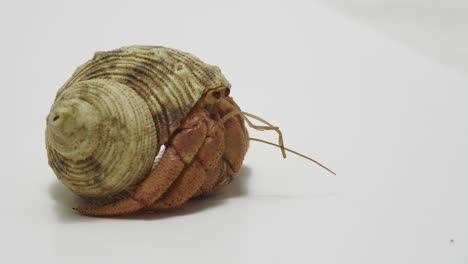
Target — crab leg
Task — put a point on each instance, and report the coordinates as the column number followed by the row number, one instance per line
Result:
column 236, row 136
column 210, row 155
column 182, row 189
column 201, row 174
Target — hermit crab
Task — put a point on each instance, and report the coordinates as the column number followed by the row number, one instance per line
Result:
column 121, row 108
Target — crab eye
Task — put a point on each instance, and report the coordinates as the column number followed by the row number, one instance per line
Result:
column 217, row 94
column 227, row 91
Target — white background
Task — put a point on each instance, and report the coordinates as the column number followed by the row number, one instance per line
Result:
column 377, row 90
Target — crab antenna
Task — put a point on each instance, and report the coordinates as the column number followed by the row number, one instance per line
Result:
column 294, row 152
column 260, row 128
column 269, row 126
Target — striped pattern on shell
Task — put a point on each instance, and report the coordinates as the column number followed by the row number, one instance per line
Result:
column 116, row 111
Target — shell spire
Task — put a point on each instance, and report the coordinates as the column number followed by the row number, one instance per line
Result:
column 101, row 138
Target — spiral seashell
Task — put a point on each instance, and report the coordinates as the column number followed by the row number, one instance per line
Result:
column 110, row 118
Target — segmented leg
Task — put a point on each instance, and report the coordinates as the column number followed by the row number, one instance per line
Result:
column 202, row 172
column 182, row 189
column 236, row 138
column 210, row 155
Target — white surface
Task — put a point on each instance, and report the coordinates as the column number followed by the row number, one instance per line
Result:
column 380, row 103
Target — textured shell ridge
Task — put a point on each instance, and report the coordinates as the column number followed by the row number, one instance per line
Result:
column 169, row 80
column 100, row 131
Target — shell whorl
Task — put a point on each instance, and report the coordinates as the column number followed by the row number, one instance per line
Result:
column 110, row 118
column 97, row 129
column 170, row 81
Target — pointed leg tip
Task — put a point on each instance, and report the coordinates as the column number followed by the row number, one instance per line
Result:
column 122, row 207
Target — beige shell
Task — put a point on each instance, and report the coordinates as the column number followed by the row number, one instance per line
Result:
column 110, row 118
